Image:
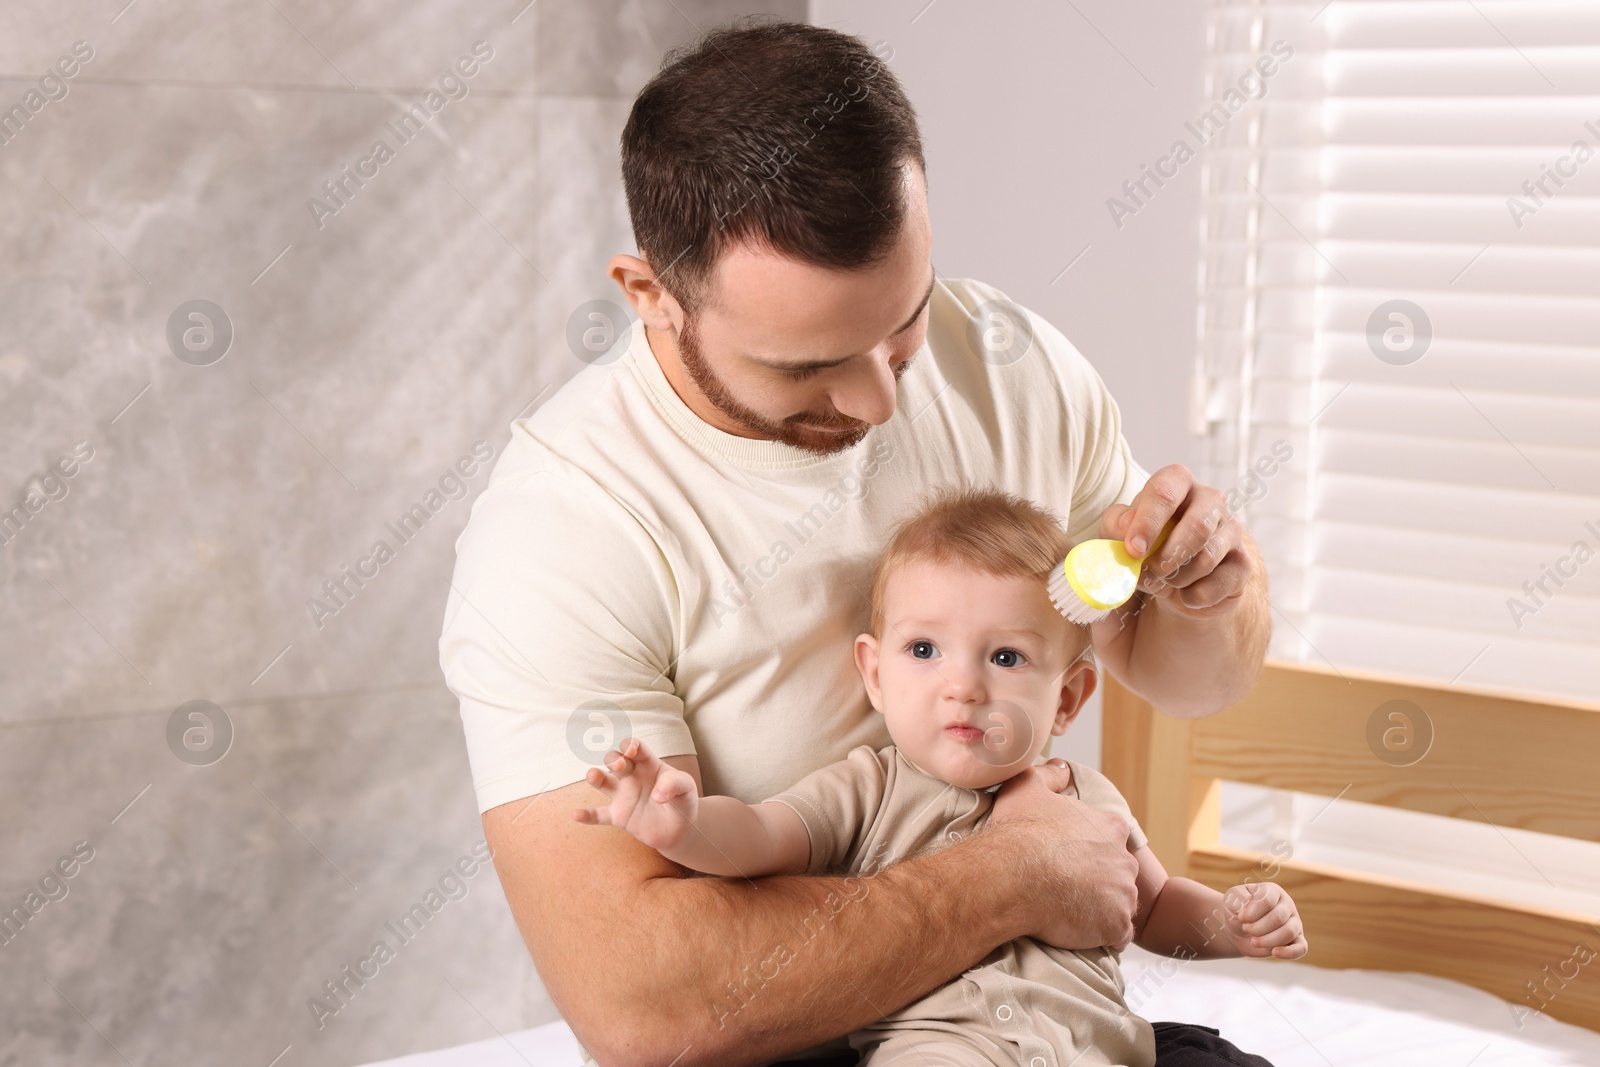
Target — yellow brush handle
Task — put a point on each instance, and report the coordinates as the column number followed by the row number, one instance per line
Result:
column 1103, row 574
column 1155, row 546
column 1119, row 550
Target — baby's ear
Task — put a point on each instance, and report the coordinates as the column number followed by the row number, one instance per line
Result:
column 866, row 654
column 1077, row 686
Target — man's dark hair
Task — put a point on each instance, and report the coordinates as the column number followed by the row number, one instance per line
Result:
column 781, row 134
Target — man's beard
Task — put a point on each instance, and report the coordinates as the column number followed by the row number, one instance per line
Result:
column 803, row 431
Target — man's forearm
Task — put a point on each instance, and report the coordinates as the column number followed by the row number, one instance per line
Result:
column 732, row 971
column 1191, row 667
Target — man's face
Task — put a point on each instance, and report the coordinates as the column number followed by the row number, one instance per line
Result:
column 807, row 355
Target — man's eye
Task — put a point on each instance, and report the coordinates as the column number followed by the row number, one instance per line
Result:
column 1008, row 657
column 803, row 373
column 921, row 649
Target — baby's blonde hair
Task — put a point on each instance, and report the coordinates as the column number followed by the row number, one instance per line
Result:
column 988, row 530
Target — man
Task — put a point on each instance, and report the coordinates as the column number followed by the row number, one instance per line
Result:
column 675, row 547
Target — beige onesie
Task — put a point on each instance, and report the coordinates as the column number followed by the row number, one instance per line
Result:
column 1026, row 1003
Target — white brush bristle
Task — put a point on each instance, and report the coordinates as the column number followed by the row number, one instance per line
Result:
column 1070, row 604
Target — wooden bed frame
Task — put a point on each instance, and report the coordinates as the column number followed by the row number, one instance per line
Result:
column 1307, row 729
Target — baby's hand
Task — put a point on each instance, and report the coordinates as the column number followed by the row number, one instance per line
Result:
column 1262, row 921
column 652, row 800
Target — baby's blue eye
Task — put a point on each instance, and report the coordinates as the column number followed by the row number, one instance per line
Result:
column 922, row 649
column 1000, row 658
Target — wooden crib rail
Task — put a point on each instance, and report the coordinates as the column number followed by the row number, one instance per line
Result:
column 1502, row 758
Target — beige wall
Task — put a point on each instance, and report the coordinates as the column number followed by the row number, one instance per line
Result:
column 1033, row 114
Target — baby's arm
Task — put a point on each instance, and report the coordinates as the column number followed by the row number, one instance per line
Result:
column 1180, row 917
column 732, row 838
column 658, row 804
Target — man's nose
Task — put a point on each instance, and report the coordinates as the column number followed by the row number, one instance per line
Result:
column 870, row 395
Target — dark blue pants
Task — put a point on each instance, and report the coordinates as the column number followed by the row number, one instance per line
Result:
column 1177, row 1045
column 1191, row 1045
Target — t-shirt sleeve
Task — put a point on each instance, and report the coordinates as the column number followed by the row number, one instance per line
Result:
column 1091, row 429
column 1061, row 405
column 1097, row 791
column 838, row 803
column 558, row 637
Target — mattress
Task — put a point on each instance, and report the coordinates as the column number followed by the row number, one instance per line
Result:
column 1293, row 1014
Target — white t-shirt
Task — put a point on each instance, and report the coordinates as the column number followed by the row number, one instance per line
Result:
column 631, row 570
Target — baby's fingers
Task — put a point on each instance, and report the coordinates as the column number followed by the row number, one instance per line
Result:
column 1251, row 903
column 1281, row 936
column 607, row 784
column 670, row 786
column 601, row 780
column 637, row 754
column 623, row 758
column 597, row 816
column 1292, row 951
column 1279, row 914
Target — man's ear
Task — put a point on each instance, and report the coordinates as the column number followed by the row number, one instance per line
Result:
column 1077, row 686
column 866, row 652
column 653, row 304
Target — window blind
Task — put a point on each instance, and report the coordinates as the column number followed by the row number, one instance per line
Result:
column 1398, row 368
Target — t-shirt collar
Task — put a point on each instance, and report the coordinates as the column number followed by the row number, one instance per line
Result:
column 1040, row 760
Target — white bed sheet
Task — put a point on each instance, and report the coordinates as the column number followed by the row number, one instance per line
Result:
column 1294, row 1014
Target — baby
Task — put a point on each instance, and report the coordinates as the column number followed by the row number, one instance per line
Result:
column 974, row 671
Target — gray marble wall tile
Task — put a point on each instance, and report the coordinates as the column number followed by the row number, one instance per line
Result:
column 584, row 224
column 612, row 47
column 373, row 43
column 223, row 897
column 367, row 45
column 365, row 362
column 155, row 41
column 373, row 347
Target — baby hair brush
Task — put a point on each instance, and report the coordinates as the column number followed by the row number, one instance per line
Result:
column 1098, row 576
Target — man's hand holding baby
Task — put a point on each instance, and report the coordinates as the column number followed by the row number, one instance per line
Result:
column 1074, row 869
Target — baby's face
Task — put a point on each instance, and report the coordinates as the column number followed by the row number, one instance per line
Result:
column 973, row 673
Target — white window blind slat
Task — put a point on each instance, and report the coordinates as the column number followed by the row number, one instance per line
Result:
column 1395, row 24
column 1493, row 70
column 1504, row 367
column 1474, row 221
column 1471, row 120
column 1542, row 520
column 1549, row 270
column 1503, row 563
